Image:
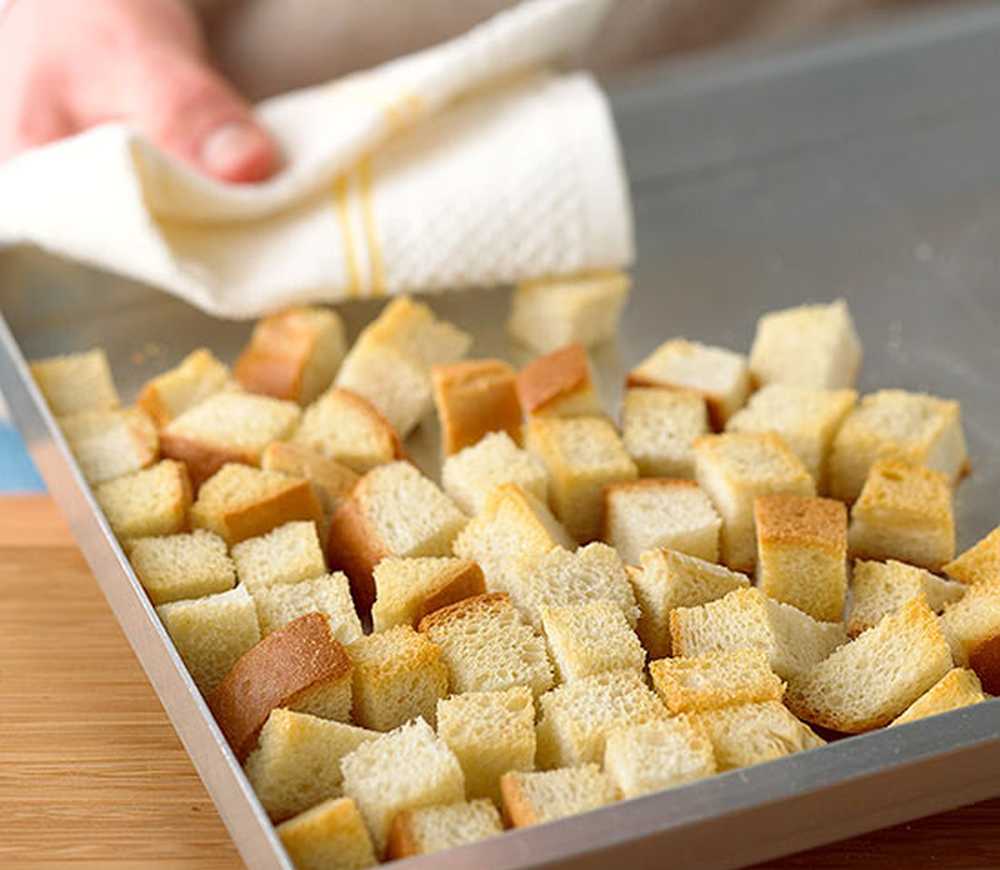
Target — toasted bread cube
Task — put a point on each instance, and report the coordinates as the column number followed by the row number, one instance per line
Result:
column 746, row 618
column 474, row 398
column 174, row 567
column 490, row 733
column 812, row 346
column 406, row 590
column 330, row 836
column 960, row 687
column 434, row 829
column 664, row 753
column 716, row 679
column 211, row 633
column 331, row 481
column 806, row 419
column 914, row 427
column 110, row 444
column 904, row 512
column 802, row 553
column 972, row 627
column 76, row 382
column 668, row 580
column 881, row 588
column 733, row 469
column 591, row 638
column 406, row 769
column 559, row 384
column 330, row 595
column 750, row 734
column 978, row 564
column 287, row 554
column 398, row 675
column 297, row 761
column 720, row 376
column 532, row 798
column 147, row 503
column 488, row 647
column 659, row 428
column 198, row 376
column 549, row 313
column 393, row 511
column 470, row 475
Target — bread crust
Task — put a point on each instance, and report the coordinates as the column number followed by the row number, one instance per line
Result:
column 553, row 377
column 460, row 609
column 473, row 398
column 296, row 502
column 202, row 458
column 984, row 659
column 366, row 407
column 785, row 520
column 403, row 841
column 465, row 580
column 353, row 548
column 518, row 811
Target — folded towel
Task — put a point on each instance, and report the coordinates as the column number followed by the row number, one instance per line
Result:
column 469, row 164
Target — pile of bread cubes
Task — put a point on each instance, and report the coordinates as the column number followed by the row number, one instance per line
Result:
column 583, row 611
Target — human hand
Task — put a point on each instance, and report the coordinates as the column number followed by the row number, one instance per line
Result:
column 67, row 65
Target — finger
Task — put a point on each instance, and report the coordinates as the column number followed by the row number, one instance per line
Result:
column 29, row 127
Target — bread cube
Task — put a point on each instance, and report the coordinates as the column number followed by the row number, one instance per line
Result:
column 406, row 590
column 664, row 753
column 110, row 444
column 802, row 553
column 733, row 470
column 881, row 588
column 240, row 502
column 406, row 769
column 978, row 564
column 297, row 761
column 488, row 647
column 914, row 427
column 174, row 567
column 398, row 675
column 905, row 512
column 287, row 554
column 147, row 503
column 434, row 829
column 591, row 638
column 959, row 688
column 490, row 734
column 812, row 346
column 871, row 680
column 393, row 511
column 548, row 313
column 559, row 384
column 198, row 376
column 716, row 679
column 474, row 398
column 750, row 734
column 76, row 382
column 330, row 595
column 211, row 633
column 746, row 618
column 659, row 428
column 720, row 376
column 470, row 475
column 330, row 836
column 331, row 482
column 532, row 798
column 669, row 579
column 972, row 628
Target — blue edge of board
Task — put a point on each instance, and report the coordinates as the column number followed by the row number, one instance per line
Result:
column 17, row 472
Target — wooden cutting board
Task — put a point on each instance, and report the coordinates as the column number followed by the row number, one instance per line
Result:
column 92, row 774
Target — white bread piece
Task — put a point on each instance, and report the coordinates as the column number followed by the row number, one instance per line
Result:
column 297, row 761
column 880, row 588
column 147, row 503
column 434, row 829
column 240, row 502
column 331, row 481
column 473, row 398
column 287, row 554
column 806, row 419
column 646, row 514
column 792, row 641
column 802, row 553
column 915, row 427
column 577, row 717
column 76, row 382
column 392, row 511
column 330, row 595
column 109, row 444
column 591, row 638
column 718, row 375
column 750, row 734
column 812, row 346
column 958, row 688
column 470, row 475
column 173, row 567
column 659, row 428
column 406, row 769
column 549, row 313
column 979, row 564
column 869, row 681
column 347, row 428
column 533, row 798
column 559, row 384
column 716, row 679
column 330, row 836
column 972, row 627
column 904, row 512
column 664, row 753
column 668, row 580
column 490, row 734
column 211, row 633
column 582, row 456
column 398, row 675
column 733, row 469
column 168, row 395
column 488, row 647
column 406, row 590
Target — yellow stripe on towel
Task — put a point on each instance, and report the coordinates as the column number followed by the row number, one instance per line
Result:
column 340, row 189
column 376, row 265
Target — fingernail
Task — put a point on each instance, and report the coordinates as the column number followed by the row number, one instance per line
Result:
column 229, row 148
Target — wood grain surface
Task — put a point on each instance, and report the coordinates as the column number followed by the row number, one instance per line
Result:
column 92, row 774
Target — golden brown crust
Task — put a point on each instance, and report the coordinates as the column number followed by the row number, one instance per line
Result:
column 518, row 811
column 332, row 480
column 274, row 361
column 353, row 548
column 297, row 501
column 984, row 659
column 461, row 609
column 402, row 838
column 366, row 407
column 473, row 398
column 552, row 377
column 150, row 402
column 805, row 521
column 463, row 581
column 201, row 458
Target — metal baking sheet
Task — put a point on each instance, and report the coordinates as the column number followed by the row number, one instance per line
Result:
column 866, row 169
